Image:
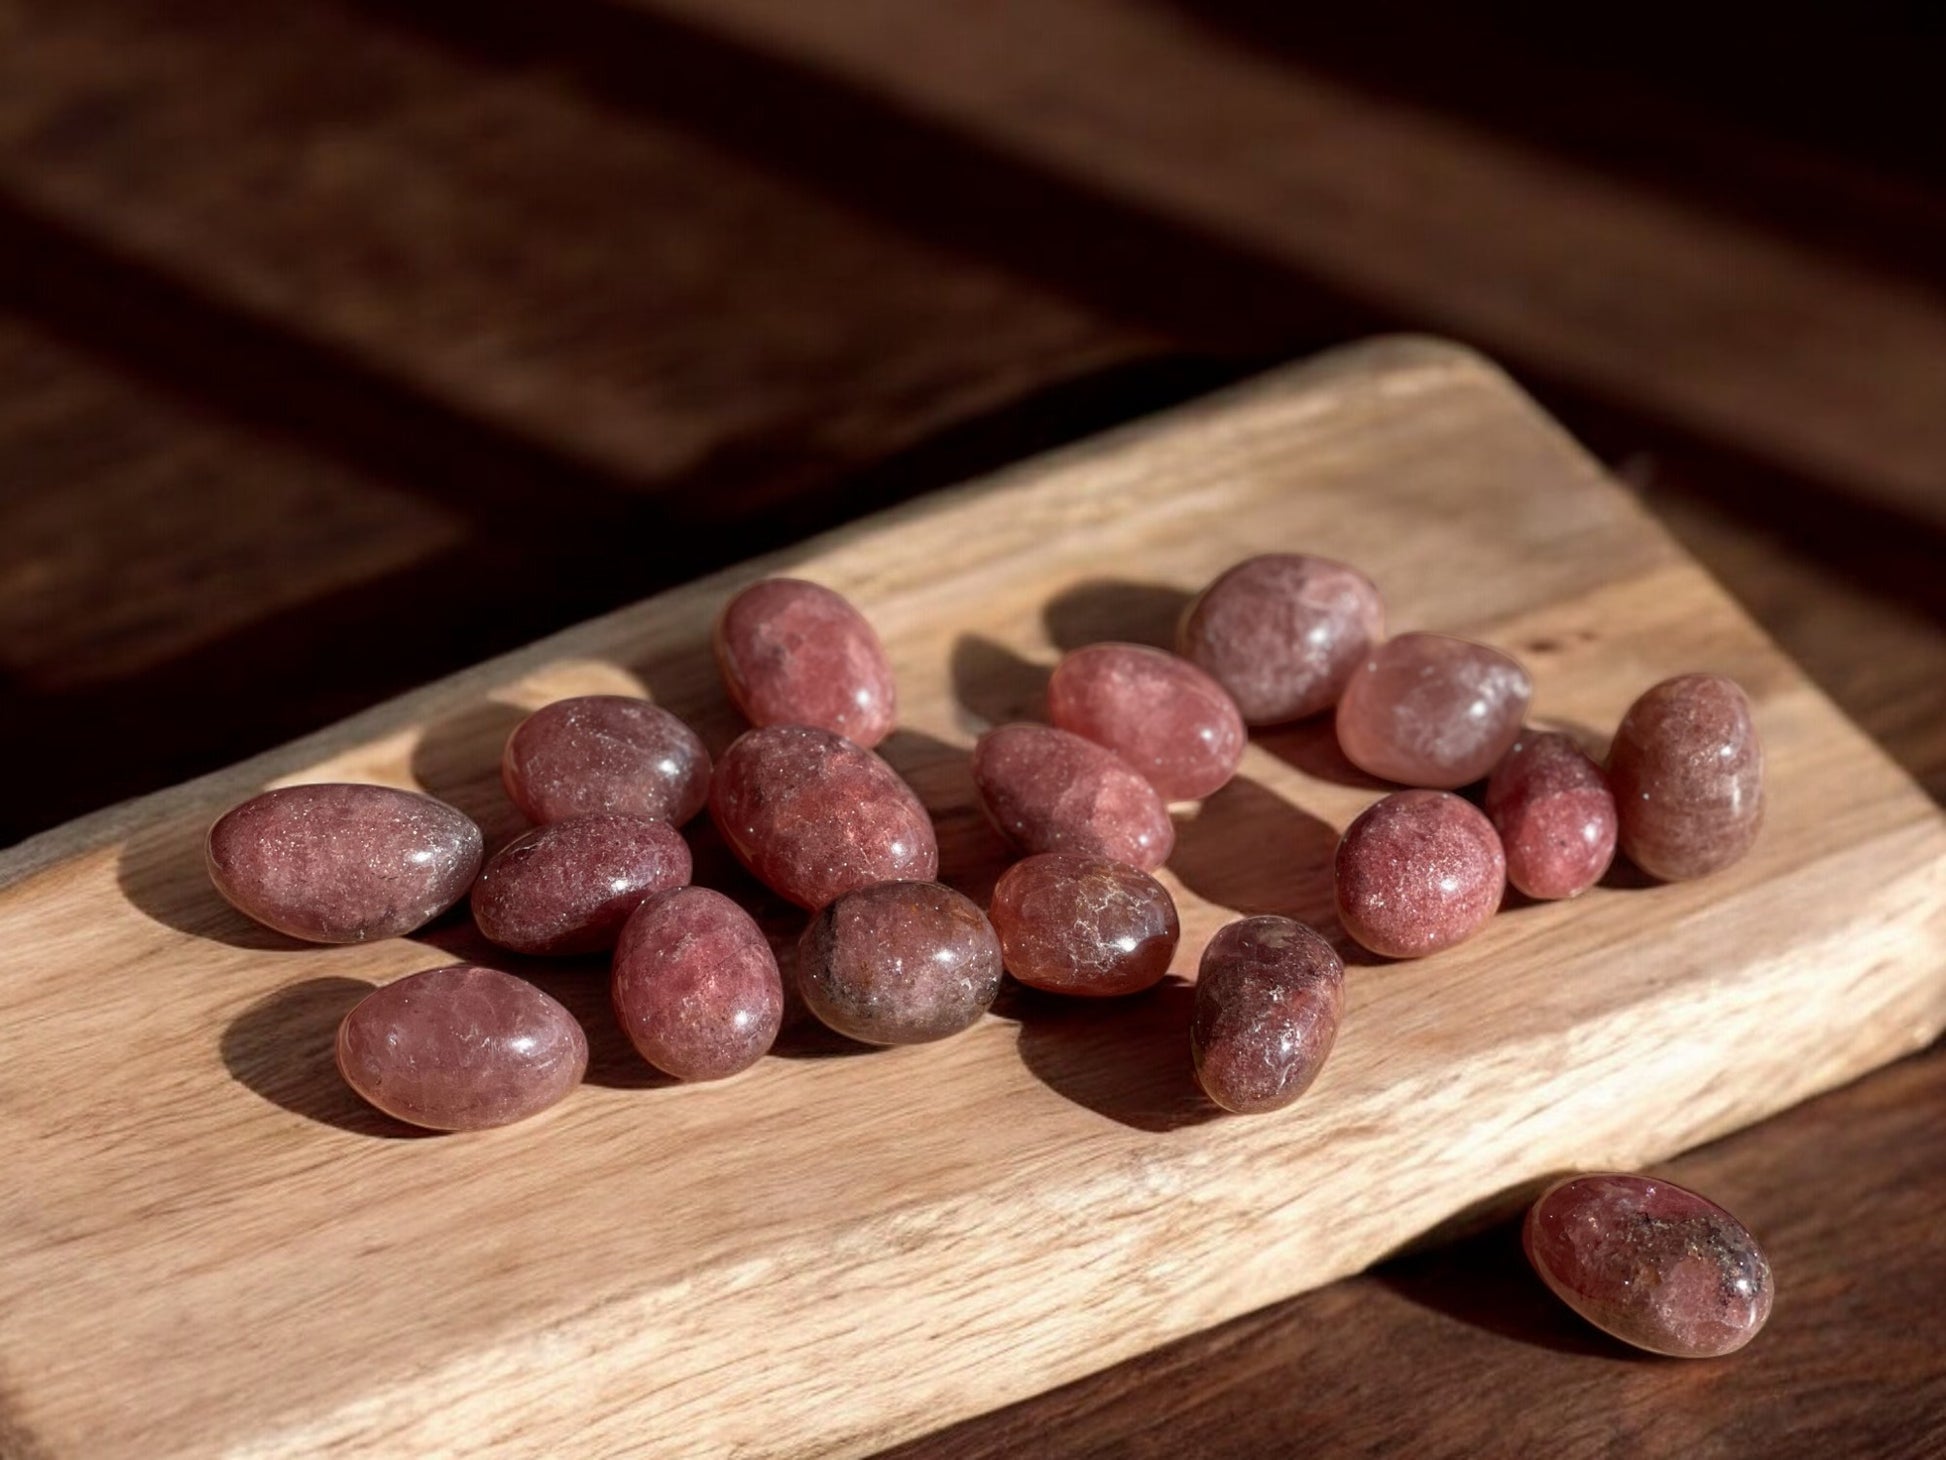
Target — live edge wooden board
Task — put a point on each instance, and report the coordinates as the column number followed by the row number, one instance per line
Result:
column 208, row 1246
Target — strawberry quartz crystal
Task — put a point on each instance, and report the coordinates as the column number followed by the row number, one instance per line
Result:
column 1084, row 925
column 1688, row 775
column 568, row 887
column 1161, row 714
column 899, row 963
column 796, row 653
column 1048, row 790
column 1417, row 872
column 1269, row 995
column 1555, row 815
column 605, row 753
column 1428, row 710
column 695, row 985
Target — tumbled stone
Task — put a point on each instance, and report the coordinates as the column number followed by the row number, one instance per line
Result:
column 1269, row 995
column 1687, row 770
column 1417, row 872
column 605, row 753
column 1049, row 790
column 1161, row 714
column 568, row 887
column 695, row 985
column 343, row 863
column 461, row 1048
column 899, row 963
column 814, row 816
column 1650, row 1263
column 796, row 653
column 1282, row 633
column 1428, row 710
column 1556, row 818
column 1084, row 925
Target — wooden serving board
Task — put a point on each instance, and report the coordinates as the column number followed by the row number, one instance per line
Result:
column 208, row 1246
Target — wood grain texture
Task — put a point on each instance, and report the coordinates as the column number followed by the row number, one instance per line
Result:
column 213, row 1246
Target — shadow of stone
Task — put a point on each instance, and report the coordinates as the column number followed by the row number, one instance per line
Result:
column 994, row 685
column 1101, row 610
column 283, row 1046
column 457, row 760
column 1127, row 1058
column 1311, row 746
column 163, row 873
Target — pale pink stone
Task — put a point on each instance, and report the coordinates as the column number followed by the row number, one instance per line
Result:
column 1161, row 714
column 1050, row 791
column 1428, row 710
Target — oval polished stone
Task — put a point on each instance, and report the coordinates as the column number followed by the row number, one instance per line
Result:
column 1161, row 714
column 1687, row 770
column 814, row 816
column 1428, row 710
column 695, row 985
column 1269, row 995
column 795, row 653
column 596, row 753
column 343, row 863
column 1282, row 633
column 568, row 887
column 1650, row 1263
column 1049, row 790
column 1417, row 872
column 1555, row 815
column 899, row 963
column 1084, row 925
column 461, row 1048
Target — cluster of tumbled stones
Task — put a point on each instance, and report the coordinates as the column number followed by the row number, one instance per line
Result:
column 893, row 956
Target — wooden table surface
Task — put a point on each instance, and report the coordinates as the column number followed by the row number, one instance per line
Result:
column 343, row 344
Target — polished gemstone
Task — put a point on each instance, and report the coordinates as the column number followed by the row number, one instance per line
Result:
column 696, row 986
column 1269, row 995
column 1555, row 815
column 1687, row 770
column 461, row 1048
column 1084, row 925
column 1428, row 710
column 1161, row 714
column 605, row 753
column 343, row 863
column 1049, row 790
column 1417, row 872
column 568, row 887
column 796, row 653
column 1283, row 632
column 899, row 963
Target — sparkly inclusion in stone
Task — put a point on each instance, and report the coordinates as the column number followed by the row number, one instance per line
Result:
column 1269, row 996
column 1687, row 770
column 1161, row 714
column 899, row 963
column 1650, row 1263
column 1554, row 813
column 795, row 653
column 1084, row 925
column 1048, row 790
column 605, row 753
column 1428, row 710
column 695, row 985
column 568, row 887
column 1418, row 872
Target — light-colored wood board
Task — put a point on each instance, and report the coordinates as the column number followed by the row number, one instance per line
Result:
column 207, row 1245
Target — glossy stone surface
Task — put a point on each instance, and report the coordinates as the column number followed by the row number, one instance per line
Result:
column 696, row 987
column 1650, row 1263
column 1555, row 815
column 343, row 863
column 796, row 653
column 568, row 887
column 1084, row 925
column 1428, row 710
column 899, row 963
column 1161, row 714
column 1269, row 995
column 1282, row 633
column 814, row 816
column 461, row 1048
column 605, row 753
column 1687, row 770
column 1417, row 872
column 1049, row 790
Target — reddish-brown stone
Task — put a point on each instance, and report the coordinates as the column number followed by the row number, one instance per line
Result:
column 568, row 887
column 1161, row 714
column 814, row 816
column 1650, row 1263
column 1556, row 818
column 899, row 963
column 795, row 653
column 605, row 753
column 696, row 987
column 1428, row 710
column 461, row 1048
column 1048, row 790
column 1282, row 633
column 1687, row 770
column 343, row 863
column 1084, row 925
column 1269, row 995
column 1417, row 872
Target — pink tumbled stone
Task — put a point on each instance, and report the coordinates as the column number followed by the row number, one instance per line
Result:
column 1161, row 714
column 1269, row 995
column 795, row 653
column 1417, row 872
column 814, row 816
column 696, row 987
column 1650, row 1263
column 1554, row 813
column 1687, row 770
column 1428, row 710
column 568, row 887
column 605, row 753
column 899, row 963
column 461, row 1048
column 1090, row 926
column 1049, row 790
column 1282, row 633
column 343, row 863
